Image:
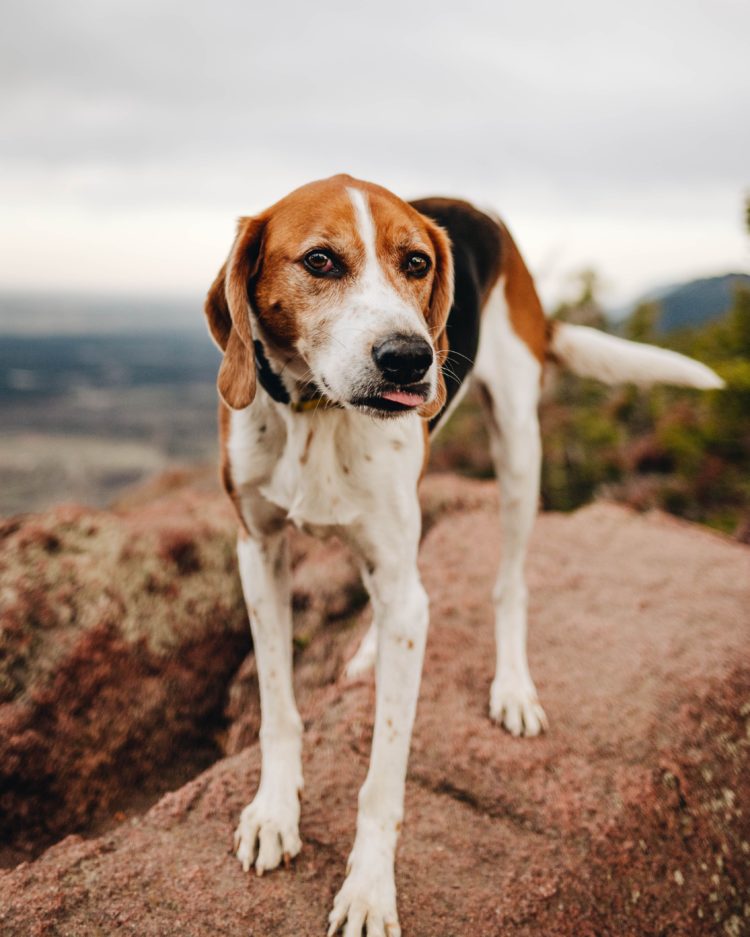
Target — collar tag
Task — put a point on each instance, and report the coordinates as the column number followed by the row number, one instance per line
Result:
column 314, row 403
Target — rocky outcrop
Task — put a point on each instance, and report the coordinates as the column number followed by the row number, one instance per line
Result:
column 628, row 817
column 114, row 658
column 120, row 632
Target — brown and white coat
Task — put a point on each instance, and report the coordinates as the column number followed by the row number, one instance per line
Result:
column 350, row 322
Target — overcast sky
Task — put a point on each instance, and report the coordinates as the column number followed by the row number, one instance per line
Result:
column 615, row 135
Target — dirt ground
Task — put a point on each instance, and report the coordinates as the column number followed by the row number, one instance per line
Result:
column 630, row 816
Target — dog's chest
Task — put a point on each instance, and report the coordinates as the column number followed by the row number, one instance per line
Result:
column 330, row 469
column 318, row 480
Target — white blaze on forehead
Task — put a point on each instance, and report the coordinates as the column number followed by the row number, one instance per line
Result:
column 374, row 288
column 365, row 226
column 377, row 297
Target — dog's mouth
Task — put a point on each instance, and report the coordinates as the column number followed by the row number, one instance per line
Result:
column 394, row 400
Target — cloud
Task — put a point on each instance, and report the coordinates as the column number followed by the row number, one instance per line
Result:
column 125, row 114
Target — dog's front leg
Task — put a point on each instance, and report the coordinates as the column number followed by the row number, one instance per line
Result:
column 270, row 824
column 367, row 899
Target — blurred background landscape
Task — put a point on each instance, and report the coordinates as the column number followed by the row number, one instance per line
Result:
column 100, row 394
column 97, row 394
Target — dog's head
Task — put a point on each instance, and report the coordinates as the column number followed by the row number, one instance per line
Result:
column 349, row 288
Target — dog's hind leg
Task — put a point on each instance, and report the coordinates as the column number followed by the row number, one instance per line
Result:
column 508, row 375
column 268, row 827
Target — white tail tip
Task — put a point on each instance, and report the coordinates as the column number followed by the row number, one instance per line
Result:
column 591, row 353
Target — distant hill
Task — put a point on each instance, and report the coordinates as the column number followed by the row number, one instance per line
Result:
column 34, row 367
column 97, row 393
column 690, row 304
column 85, row 314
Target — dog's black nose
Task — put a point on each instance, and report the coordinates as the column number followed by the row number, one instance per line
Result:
column 403, row 359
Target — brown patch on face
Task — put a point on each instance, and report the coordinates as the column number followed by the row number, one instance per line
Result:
column 525, row 309
column 400, row 231
column 318, row 215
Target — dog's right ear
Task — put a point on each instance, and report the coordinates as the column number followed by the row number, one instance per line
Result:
column 227, row 310
column 438, row 310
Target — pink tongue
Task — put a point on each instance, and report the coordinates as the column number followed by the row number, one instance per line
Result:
column 401, row 396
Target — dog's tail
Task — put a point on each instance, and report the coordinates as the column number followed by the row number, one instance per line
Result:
column 591, row 353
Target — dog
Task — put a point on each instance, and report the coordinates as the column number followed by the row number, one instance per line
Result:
column 350, row 323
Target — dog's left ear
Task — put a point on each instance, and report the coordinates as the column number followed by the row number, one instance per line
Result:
column 227, row 310
column 441, row 300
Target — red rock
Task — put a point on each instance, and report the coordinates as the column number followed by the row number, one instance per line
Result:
column 114, row 656
column 629, row 817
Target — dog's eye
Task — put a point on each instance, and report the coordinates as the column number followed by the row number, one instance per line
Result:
column 320, row 264
column 416, row 265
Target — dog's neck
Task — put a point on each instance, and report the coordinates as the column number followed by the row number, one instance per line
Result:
column 281, row 384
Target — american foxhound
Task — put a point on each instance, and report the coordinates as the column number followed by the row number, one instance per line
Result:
column 350, row 323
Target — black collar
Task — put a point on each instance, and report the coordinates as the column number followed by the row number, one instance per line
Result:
column 271, row 382
column 269, row 379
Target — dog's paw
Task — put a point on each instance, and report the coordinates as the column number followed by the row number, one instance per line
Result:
column 366, row 905
column 268, row 832
column 514, row 704
column 364, row 658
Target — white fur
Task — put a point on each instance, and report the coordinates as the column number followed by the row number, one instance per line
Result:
column 591, row 353
column 400, row 608
column 511, row 376
column 270, row 823
column 366, row 230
